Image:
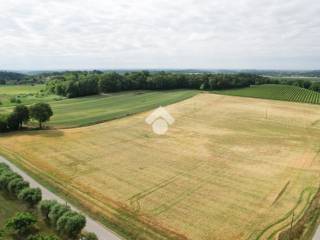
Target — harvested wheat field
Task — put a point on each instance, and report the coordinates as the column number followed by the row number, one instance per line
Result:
column 229, row 168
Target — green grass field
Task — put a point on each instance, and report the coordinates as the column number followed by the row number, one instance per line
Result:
column 89, row 110
column 20, row 89
column 8, row 209
column 27, row 94
column 276, row 92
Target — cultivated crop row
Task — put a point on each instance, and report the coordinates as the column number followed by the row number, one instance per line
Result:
column 277, row 92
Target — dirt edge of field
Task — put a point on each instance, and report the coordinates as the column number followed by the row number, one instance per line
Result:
column 305, row 227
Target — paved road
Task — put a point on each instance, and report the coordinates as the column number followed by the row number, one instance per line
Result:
column 91, row 226
column 317, row 235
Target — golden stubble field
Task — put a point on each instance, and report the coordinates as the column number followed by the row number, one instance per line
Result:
column 229, row 168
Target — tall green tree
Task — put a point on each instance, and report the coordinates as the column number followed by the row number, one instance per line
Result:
column 22, row 114
column 3, row 123
column 41, row 112
column 13, row 121
column 110, row 82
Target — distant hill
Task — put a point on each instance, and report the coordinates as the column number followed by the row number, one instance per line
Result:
column 276, row 92
column 10, row 76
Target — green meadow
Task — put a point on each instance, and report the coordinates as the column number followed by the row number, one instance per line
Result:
column 83, row 111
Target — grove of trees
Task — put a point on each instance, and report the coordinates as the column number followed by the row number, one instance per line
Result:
column 21, row 114
column 10, row 76
column 77, row 84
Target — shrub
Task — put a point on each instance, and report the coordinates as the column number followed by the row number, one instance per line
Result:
column 13, row 99
column 21, row 223
column 31, row 196
column 4, row 166
column 88, row 236
column 70, row 224
column 42, row 237
column 46, row 206
column 56, row 211
column 6, row 176
column 16, row 185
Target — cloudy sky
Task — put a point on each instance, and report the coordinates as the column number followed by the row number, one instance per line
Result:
column 109, row 34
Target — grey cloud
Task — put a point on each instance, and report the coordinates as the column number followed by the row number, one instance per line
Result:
column 159, row 33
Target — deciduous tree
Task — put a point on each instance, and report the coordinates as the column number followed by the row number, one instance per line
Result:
column 41, row 112
column 22, row 114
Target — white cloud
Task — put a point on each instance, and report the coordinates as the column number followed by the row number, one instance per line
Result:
column 48, row 34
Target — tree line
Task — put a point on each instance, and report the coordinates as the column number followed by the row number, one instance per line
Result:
column 303, row 83
column 67, row 223
column 77, row 84
column 21, row 114
column 6, row 77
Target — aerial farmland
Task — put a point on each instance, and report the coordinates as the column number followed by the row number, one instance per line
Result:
column 160, row 120
column 238, row 167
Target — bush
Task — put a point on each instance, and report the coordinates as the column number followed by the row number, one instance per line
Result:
column 15, row 186
column 15, row 99
column 46, row 206
column 42, row 237
column 56, row 211
column 70, row 224
column 4, row 166
column 7, row 176
column 21, row 223
column 31, row 196
column 88, row 236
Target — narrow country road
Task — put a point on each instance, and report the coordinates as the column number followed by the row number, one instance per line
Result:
column 91, row 226
column 317, row 235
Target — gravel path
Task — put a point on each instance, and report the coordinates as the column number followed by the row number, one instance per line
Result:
column 317, row 235
column 91, row 226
